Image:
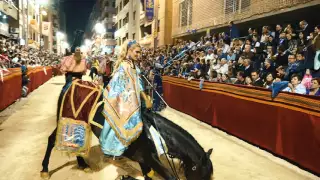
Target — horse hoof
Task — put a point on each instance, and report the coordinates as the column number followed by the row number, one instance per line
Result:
column 87, row 170
column 44, row 175
column 127, row 178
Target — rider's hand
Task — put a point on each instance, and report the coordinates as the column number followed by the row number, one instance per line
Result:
column 148, row 104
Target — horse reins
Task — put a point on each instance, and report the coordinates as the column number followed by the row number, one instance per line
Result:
column 172, row 167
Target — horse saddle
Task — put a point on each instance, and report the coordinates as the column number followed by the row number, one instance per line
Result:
column 74, row 132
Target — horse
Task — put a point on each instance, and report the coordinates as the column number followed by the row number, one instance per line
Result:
column 194, row 160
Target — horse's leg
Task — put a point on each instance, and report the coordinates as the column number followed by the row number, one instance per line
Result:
column 45, row 170
column 153, row 161
column 50, row 146
column 146, row 171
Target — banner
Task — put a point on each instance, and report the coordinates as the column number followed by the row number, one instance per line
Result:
column 46, row 28
column 149, row 9
column 4, row 29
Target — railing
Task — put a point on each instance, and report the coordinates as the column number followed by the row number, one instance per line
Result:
column 10, row 88
column 288, row 126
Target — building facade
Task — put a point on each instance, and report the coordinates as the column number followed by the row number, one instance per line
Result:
column 150, row 29
column 195, row 16
column 9, row 19
column 103, row 12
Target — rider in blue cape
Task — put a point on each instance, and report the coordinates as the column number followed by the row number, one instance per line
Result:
column 122, row 102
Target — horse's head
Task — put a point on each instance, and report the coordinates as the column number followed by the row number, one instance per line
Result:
column 201, row 170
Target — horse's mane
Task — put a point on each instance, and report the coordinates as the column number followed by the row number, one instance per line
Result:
column 185, row 134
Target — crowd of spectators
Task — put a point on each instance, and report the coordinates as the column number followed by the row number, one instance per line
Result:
column 257, row 59
column 13, row 55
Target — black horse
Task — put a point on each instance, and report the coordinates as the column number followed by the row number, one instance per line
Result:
column 195, row 161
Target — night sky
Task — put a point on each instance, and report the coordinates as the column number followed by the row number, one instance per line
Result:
column 77, row 15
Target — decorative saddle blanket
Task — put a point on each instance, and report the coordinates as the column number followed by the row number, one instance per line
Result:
column 74, row 132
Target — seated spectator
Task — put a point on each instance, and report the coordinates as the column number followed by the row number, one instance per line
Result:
column 268, row 81
column 257, row 81
column 225, row 78
column 315, row 88
column 221, row 54
column 213, row 77
column 248, row 68
column 239, row 66
column 282, row 57
column 292, row 45
column 219, row 77
column 294, row 67
column 295, row 86
column 223, row 67
column 247, row 53
column 248, row 81
column 306, row 81
column 231, row 55
column 267, row 68
column 283, row 41
column 240, row 78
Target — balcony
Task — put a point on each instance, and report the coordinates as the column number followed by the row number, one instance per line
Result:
column 110, row 10
column 122, row 31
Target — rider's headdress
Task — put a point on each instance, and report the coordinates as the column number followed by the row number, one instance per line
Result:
column 132, row 42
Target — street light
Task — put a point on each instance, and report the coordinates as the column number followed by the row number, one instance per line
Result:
column 60, row 35
column 4, row 17
column 44, row 13
column 87, row 42
column 99, row 27
column 42, row 2
column 66, row 45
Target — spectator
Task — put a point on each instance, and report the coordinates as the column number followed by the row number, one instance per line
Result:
column 248, row 81
column 306, row 81
column 225, row 78
column 268, row 81
column 234, row 32
column 282, row 57
column 267, row 69
column 240, row 78
column 315, row 88
column 248, row 54
column 316, row 47
column 278, row 32
column 248, row 68
column 295, row 86
column 223, row 67
column 256, row 80
column 305, row 28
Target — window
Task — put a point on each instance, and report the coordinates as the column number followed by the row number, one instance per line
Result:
column 120, row 6
column 134, row 15
column 116, row 26
column 120, row 24
column 113, row 4
column 107, row 3
column 107, row 15
column 127, row 35
column 185, row 13
column 109, row 26
column 158, row 26
column 232, row 6
column 126, row 19
column 125, row 2
column 134, row 36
